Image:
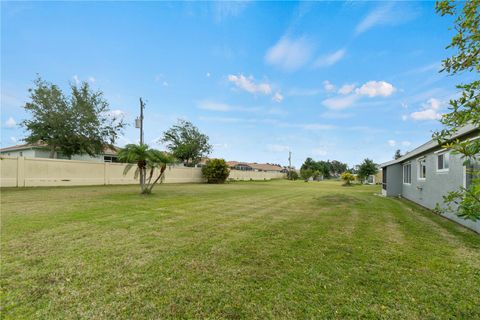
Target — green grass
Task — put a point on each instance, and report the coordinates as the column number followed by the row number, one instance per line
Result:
column 259, row 250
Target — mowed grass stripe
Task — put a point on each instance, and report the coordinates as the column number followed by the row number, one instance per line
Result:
column 252, row 250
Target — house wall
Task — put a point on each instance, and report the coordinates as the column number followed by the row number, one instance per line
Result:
column 394, row 181
column 430, row 192
column 45, row 154
column 32, row 172
column 16, row 153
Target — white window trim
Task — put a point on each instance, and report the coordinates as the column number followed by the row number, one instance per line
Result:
column 419, row 168
column 444, row 152
column 403, row 173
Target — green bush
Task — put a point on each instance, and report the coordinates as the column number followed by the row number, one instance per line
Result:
column 348, row 178
column 292, row 175
column 216, row 171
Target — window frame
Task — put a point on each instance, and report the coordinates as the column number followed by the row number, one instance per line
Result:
column 446, row 155
column 419, row 170
column 407, row 164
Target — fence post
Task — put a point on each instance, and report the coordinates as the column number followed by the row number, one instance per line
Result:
column 20, row 171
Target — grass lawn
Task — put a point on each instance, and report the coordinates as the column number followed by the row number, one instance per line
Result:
column 260, row 250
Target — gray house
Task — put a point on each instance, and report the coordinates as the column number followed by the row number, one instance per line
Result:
column 429, row 172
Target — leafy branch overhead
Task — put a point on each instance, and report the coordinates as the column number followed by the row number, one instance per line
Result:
column 464, row 110
column 78, row 124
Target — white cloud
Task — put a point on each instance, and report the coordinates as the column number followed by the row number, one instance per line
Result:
column 330, row 59
column 328, row 86
column 76, row 79
column 428, row 114
column 404, row 117
column 338, row 103
column 392, row 143
column 249, row 85
column 386, row 14
column 429, row 111
column 225, row 9
column 224, row 107
column 14, row 139
column 289, row 54
column 208, row 74
column 346, row 89
column 214, row 106
column 406, row 143
column 277, row 148
column 161, row 78
column 376, row 88
column 277, row 97
column 92, row 79
column 10, row 123
column 117, row 113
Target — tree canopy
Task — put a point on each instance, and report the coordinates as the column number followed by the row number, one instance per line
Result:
column 187, row 143
column 397, row 154
column 367, row 168
column 327, row 168
column 77, row 124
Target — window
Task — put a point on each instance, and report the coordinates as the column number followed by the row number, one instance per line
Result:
column 110, row 159
column 442, row 161
column 407, row 173
column 422, row 169
column 21, row 154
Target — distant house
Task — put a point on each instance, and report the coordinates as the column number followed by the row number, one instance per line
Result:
column 429, row 172
column 41, row 150
column 260, row 167
column 375, row 178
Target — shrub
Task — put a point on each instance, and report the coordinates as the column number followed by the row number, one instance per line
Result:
column 306, row 174
column 348, row 178
column 292, row 175
column 216, row 171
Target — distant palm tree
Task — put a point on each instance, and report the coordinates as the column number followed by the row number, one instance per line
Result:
column 147, row 161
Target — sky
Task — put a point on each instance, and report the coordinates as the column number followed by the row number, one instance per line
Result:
column 327, row 80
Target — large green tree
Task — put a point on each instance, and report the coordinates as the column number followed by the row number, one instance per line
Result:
column 326, row 168
column 187, row 143
column 79, row 123
column 465, row 109
column 366, row 168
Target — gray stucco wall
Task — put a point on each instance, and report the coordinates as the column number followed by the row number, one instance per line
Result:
column 394, row 180
column 430, row 191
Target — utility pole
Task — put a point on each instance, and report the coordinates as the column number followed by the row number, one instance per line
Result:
column 142, row 106
column 289, row 164
column 139, row 124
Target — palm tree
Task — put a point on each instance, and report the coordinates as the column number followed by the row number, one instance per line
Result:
column 146, row 160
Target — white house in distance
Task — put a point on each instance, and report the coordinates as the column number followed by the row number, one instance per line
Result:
column 41, row 150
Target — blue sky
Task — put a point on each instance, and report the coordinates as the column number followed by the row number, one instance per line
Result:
column 328, row 80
